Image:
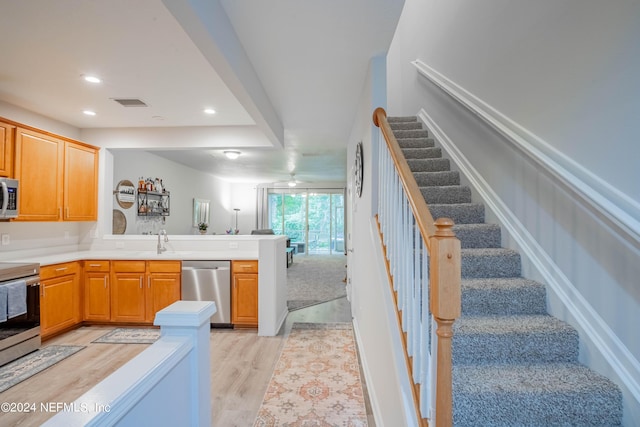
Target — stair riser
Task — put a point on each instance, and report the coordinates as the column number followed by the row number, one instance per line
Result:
column 446, row 195
column 402, row 119
column 505, row 265
column 413, row 133
column 501, row 302
column 436, row 179
column 405, row 126
column 428, row 165
column 422, row 153
column 487, row 236
column 460, row 214
column 549, row 347
column 416, row 143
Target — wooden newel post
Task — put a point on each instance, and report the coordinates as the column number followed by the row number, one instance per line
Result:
column 444, row 277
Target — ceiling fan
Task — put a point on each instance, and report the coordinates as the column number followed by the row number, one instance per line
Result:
column 291, row 182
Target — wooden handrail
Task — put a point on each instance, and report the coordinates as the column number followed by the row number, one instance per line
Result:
column 444, row 277
column 423, row 217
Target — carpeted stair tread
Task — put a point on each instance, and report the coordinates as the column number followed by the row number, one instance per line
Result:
column 550, row 394
column 428, row 165
column 416, row 142
column 460, row 213
column 502, row 296
column 442, row 178
column 513, row 339
column 449, row 194
column 478, row 235
column 422, row 153
column 490, row 262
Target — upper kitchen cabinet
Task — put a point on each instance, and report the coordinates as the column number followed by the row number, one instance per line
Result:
column 58, row 177
column 6, row 149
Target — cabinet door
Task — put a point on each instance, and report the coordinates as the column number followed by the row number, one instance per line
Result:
column 80, row 183
column 163, row 289
column 97, row 300
column 59, row 307
column 244, row 297
column 6, row 149
column 127, row 297
column 39, row 167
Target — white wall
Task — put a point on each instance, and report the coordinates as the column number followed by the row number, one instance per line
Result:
column 183, row 183
column 375, row 324
column 564, row 72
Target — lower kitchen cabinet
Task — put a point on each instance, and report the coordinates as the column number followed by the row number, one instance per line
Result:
column 128, row 291
column 59, row 298
column 97, row 291
column 163, row 286
column 140, row 289
column 244, row 294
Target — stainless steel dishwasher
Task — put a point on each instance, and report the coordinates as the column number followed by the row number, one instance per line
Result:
column 209, row 281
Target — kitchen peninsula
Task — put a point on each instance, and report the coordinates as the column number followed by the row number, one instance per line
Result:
column 269, row 251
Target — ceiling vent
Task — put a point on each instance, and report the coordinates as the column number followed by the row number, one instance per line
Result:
column 130, row 102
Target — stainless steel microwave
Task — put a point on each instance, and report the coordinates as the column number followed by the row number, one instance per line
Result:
column 9, row 191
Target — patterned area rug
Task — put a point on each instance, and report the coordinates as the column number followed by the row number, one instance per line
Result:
column 316, row 381
column 315, row 279
column 130, row 336
column 27, row 366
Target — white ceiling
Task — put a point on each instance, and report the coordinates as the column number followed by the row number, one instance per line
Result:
column 289, row 71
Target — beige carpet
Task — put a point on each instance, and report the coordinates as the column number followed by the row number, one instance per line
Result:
column 314, row 279
column 316, row 381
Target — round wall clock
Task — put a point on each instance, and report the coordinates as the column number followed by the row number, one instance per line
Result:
column 358, row 169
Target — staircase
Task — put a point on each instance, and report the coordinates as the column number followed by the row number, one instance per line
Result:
column 513, row 364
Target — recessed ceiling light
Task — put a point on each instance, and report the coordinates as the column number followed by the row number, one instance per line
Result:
column 91, row 79
column 232, row 154
column 89, row 113
column 209, row 111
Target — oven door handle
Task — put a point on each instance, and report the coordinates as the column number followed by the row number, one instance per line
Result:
column 5, row 197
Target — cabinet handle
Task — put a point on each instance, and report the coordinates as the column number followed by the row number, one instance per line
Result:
column 67, row 212
column 61, row 269
column 94, row 265
column 148, row 282
column 105, row 282
column 140, row 282
column 59, row 212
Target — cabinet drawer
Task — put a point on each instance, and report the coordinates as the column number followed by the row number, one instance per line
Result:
column 96, row 265
column 129, row 266
column 58, row 270
column 244, row 266
column 164, row 266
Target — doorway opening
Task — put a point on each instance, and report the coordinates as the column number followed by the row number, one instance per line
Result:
column 312, row 219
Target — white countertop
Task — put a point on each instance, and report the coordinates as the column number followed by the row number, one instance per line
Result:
column 138, row 255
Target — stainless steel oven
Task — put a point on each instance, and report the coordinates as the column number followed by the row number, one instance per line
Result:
column 19, row 319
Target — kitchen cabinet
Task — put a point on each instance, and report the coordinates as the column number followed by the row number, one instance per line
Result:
column 58, row 177
column 59, row 298
column 6, row 149
column 163, row 286
column 128, row 291
column 244, row 294
column 141, row 288
column 97, row 291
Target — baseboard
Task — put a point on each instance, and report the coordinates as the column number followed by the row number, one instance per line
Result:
column 614, row 352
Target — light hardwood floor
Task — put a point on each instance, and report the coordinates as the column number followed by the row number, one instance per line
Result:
column 241, row 366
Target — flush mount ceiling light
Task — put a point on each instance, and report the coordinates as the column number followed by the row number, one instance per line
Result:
column 91, row 79
column 89, row 113
column 209, row 111
column 232, row 154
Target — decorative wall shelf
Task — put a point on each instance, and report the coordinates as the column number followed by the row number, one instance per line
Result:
column 151, row 203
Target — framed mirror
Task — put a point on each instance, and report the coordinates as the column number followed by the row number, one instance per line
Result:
column 200, row 211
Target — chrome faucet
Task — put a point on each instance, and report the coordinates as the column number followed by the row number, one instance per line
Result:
column 161, row 247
